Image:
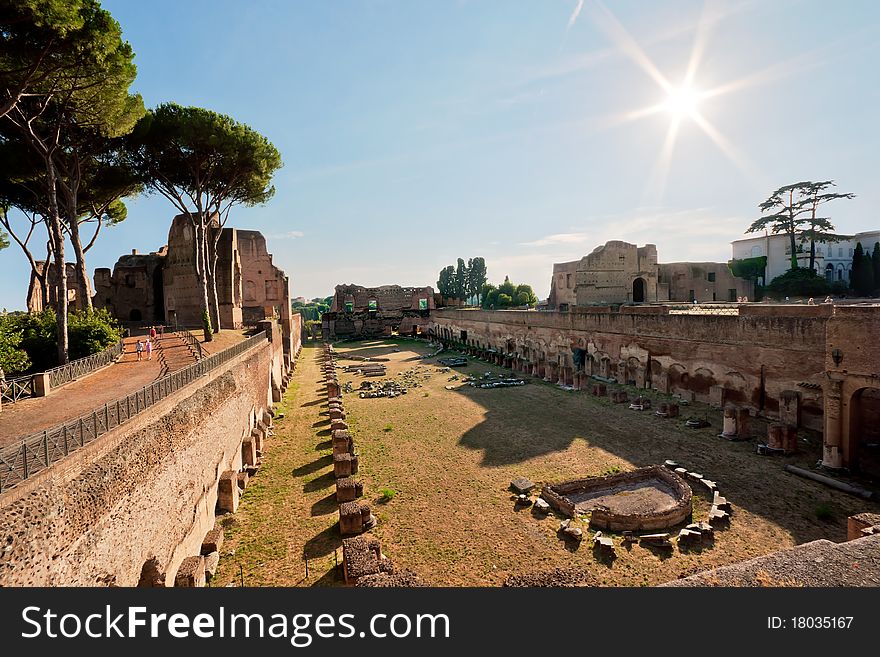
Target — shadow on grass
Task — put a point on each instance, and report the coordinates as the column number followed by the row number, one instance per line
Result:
column 332, row 577
column 325, row 506
column 314, row 466
column 311, row 403
column 604, row 556
column 319, row 483
column 320, row 423
column 326, row 444
column 324, row 543
column 325, row 432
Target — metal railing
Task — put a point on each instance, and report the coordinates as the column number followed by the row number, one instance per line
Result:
column 191, row 341
column 703, row 309
column 11, row 390
column 58, row 376
column 40, row 450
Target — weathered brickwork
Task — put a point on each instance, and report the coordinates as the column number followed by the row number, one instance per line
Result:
column 147, row 490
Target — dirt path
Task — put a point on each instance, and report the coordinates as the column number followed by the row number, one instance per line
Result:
column 78, row 398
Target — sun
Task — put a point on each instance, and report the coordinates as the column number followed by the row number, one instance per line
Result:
column 682, row 102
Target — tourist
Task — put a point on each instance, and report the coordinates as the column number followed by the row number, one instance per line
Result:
column 140, row 348
column 811, row 302
column 149, row 349
column 828, row 299
column 152, row 333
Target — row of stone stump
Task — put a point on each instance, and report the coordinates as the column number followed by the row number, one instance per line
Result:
column 361, row 555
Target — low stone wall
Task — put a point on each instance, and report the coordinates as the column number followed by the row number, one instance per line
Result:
column 145, row 493
column 557, row 496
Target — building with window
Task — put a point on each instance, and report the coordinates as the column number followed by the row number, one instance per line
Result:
column 619, row 272
column 833, row 260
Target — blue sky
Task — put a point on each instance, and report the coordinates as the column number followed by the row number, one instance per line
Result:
column 414, row 132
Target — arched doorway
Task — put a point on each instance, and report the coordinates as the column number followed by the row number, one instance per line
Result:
column 135, row 315
column 638, row 290
column 829, row 273
column 864, row 431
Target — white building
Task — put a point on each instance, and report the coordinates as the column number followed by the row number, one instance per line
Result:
column 834, row 261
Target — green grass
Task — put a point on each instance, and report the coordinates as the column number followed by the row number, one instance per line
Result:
column 387, row 494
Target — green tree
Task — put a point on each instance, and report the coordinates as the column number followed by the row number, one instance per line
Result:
column 13, row 359
column 36, row 39
column 488, row 295
column 819, row 229
column 460, row 282
column 875, row 262
column 204, row 163
column 799, row 282
column 784, row 212
column 525, row 295
column 857, row 259
column 749, row 268
column 444, row 283
column 477, row 277
column 65, row 116
column 862, row 272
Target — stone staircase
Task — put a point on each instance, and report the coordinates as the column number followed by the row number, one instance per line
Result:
column 173, row 353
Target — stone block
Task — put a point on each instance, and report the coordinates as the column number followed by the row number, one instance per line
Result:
column 354, row 518
column 348, row 489
column 213, row 540
column 857, row 523
column 191, row 573
column 227, row 491
column 342, row 465
column 522, row 486
column 212, row 560
column 249, row 451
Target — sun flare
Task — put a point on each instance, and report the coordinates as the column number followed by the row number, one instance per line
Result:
column 682, row 102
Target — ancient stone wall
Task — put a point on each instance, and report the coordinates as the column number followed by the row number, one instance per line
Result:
column 703, row 281
column 562, row 286
column 753, row 360
column 147, row 490
column 358, row 311
column 134, row 291
column 618, row 272
column 35, row 299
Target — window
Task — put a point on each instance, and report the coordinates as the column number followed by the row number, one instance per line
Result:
column 851, row 251
column 711, row 276
column 731, row 294
column 757, row 251
column 568, row 281
column 840, row 252
column 691, row 296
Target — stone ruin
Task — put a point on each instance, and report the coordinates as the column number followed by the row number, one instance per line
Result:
column 646, row 499
column 358, row 312
column 362, row 556
column 355, row 516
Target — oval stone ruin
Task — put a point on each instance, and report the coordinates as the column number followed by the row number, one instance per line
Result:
column 646, row 499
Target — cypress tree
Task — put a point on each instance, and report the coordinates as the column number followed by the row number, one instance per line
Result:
column 858, row 252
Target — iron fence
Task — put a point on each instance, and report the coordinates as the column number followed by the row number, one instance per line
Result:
column 59, row 376
column 191, row 341
column 40, row 450
column 11, row 390
column 703, row 309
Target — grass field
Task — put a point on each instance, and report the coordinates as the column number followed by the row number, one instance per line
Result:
column 437, row 464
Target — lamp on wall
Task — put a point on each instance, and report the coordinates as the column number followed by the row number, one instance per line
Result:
column 836, row 355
